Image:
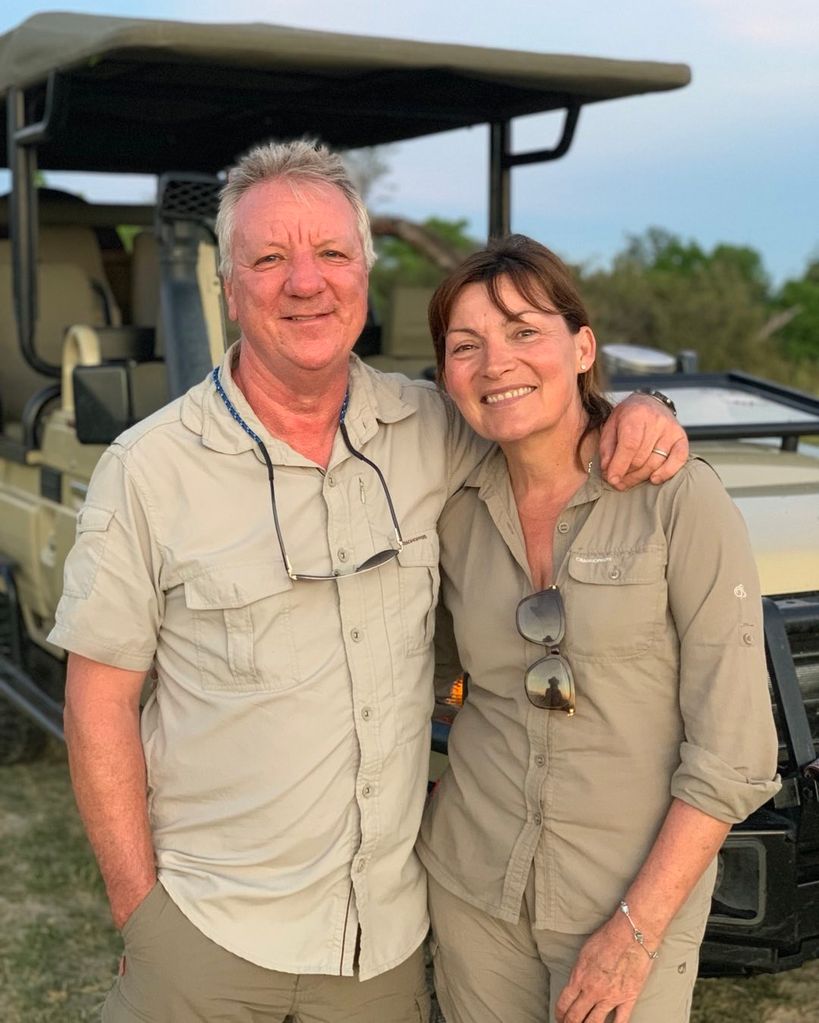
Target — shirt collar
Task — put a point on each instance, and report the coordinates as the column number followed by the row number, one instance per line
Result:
column 374, row 398
column 490, row 477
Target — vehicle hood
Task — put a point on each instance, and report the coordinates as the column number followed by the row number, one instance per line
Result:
column 778, row 495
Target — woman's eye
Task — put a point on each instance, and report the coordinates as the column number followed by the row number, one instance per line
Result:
column 461, row 347
column 526, row 332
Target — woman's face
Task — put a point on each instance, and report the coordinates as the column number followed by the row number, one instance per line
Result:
column 513, row 377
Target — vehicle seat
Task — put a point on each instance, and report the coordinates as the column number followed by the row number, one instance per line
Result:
column 406, row 346
column 66, row 296
column 69, row 244
column 72, row 289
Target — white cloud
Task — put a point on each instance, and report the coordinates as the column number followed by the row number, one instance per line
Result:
column 791, row 23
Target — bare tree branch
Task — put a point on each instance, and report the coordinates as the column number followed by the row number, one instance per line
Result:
column 429, row 244
column 778, row 321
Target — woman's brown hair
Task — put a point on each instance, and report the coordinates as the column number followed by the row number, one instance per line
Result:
column 544, row 280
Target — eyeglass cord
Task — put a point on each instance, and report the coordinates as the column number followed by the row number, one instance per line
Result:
column 236, row 415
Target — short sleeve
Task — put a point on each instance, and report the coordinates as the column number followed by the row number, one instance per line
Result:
column 112, row 604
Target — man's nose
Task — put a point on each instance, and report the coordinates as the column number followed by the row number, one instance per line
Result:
column 305, row 277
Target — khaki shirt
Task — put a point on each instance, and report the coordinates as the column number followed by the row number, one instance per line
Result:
column 664, row 636
column 287, row 737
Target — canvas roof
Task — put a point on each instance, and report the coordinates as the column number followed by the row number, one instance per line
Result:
column 147, row 96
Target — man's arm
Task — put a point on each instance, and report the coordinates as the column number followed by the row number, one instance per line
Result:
column 637, row 426
column 108, row 774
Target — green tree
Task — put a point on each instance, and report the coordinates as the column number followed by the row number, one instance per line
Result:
column 799, row 301
column 667, row 293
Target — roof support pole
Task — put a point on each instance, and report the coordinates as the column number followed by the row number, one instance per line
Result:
column 501, row 161
column 500, row 134
column 23, row 229
column 22, row 151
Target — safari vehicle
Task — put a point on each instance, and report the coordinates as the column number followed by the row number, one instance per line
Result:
column 94, row 337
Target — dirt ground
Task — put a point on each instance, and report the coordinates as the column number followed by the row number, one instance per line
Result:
column 58, row 949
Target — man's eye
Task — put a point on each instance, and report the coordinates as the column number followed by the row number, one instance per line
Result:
column 333, row 254
column 270, row 257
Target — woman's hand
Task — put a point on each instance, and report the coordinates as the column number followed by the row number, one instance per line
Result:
column 636, row 429
column 609, row 975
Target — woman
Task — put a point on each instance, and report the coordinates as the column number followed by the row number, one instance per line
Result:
column 618, row 719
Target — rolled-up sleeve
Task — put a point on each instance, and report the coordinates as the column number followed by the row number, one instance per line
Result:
column 728, row 756
column 111, row 606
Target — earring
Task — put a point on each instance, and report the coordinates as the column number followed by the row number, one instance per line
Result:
column 582, row 367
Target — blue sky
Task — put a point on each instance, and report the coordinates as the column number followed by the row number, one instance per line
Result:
column 733, row 157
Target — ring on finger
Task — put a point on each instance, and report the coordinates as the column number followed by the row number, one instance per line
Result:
column 660, row 452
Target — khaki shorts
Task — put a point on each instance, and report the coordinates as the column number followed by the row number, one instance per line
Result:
column 174, row 974
column 490, row 971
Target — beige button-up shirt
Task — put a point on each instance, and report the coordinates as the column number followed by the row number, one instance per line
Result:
column 287, row 736
column 664, row 636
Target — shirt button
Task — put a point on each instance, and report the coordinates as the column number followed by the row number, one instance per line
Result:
column 614, row 573
column 361, row 866
column 538, row 819
column 366, row 713
column 540, row 760
column 563, row 527
column 748, row 638
column 342, row 554
column 367, row 791
column 356, row 635
column 331, row 481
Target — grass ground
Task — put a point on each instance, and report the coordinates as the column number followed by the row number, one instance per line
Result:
column 59, row 951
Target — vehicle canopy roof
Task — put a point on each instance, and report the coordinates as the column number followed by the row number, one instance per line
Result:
column 151, row 95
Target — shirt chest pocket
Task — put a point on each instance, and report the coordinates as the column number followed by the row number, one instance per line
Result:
column 615, row 602
column 244, row 639
column 418, row 584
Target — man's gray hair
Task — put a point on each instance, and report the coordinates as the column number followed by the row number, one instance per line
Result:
column 301, row 161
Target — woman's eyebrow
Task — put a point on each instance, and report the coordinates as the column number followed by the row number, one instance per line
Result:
column 462, row 330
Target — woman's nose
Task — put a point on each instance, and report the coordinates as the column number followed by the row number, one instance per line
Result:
column 497, row 358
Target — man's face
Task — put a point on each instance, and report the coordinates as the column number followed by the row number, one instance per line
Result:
column 299, row 283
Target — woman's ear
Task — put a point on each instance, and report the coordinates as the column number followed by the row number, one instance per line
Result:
column 585, row 347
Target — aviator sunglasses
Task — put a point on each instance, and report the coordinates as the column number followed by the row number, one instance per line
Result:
column 549, row 682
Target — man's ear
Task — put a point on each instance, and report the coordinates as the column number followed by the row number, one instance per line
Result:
column 227, row 287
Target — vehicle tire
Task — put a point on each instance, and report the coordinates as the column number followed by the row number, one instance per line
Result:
column 20, row 738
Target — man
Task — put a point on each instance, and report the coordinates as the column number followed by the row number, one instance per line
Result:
column 266, row 548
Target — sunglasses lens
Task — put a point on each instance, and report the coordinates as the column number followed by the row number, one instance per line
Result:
column 540, row 618
column 377, row 560
column 550, row 685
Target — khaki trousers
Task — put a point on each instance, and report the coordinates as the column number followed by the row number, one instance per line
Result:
column 489, row 971
column 174, row 974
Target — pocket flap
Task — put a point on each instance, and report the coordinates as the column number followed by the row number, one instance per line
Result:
column 420, row 551
column 91, row 518
column 235, row 585
column 618, row 568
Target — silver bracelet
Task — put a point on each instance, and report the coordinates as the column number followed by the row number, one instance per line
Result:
column 639, row 937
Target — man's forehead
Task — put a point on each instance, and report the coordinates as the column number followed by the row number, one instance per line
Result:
column 288, row 199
